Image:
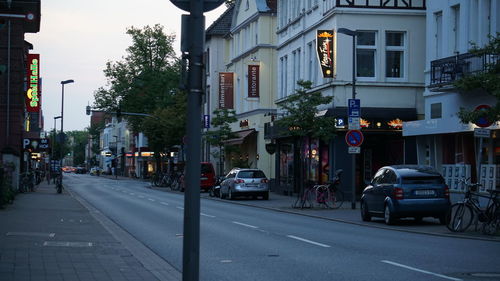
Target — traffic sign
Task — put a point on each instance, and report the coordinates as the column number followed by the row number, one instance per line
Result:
column 482, row 133
column 354, row 123
column 208, row 5
column 483, row 121
column 354, row 149
column 354, row 108
column 354, row 138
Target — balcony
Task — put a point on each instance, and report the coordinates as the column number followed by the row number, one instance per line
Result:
column 382, row 4
column 444, row 72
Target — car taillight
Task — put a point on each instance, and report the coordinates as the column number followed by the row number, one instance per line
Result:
column 264, row 181
column 398, row 193
column 446, row 192
column 239, row 181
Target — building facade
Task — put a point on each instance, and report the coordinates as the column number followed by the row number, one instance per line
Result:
column 389, row 49
column 440, row 139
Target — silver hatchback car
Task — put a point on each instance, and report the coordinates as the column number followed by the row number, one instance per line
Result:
column 244, row 182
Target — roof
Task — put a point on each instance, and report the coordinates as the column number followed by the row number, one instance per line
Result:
column 222, row 25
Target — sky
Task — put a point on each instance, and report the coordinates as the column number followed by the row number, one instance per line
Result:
column 77, row 38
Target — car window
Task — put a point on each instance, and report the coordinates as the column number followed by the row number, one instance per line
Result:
column 377, row 179
column 423, row 180
column 390, row 177
column 231, row 175
column 206, row 168
column 251, row 174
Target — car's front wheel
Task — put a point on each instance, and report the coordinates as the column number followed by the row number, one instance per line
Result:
column 365, row 214
column 388, row 216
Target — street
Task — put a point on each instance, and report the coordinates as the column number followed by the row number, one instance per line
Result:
column 247, row 243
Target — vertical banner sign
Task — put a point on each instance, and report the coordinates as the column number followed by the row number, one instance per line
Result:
column 32, row 98
column 206, row 121
column 226, row 90
column 324, row 48
column 253, row 81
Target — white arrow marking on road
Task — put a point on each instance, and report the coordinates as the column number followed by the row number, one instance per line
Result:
column 308, row 241
column 244, row 224
column 420, row 270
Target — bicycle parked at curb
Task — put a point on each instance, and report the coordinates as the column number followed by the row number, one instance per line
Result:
column 461, row 214
column 328, row 195
column 27, row 182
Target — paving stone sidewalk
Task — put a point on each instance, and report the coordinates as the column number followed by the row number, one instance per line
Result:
column 51, row 237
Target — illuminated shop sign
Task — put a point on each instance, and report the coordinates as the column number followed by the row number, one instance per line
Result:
column 33, row 95
column 324, row 49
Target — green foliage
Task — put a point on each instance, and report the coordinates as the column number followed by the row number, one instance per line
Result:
column 488, row 81
column 80, row 140
column 145, row 81
column 221, row 120
column 301, row 109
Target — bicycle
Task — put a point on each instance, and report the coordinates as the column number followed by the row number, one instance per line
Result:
column 329, row 194
column 59, row 185
column 26, row 182
column 461, row 214
column 305, row 197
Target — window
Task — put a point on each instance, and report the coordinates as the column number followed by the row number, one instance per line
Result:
column 365, row 54
column 283, row 74
column 312, row 62
column 455, row 27
column 296, row 68
column 438, row 34
column 436, row 110
column 395, row 54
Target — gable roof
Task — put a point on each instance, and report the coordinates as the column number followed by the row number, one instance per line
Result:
column 222, row 25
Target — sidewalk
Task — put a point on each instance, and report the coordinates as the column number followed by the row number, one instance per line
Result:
column 50, row 236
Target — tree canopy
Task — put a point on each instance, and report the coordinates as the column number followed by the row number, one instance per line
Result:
column 488, row 81
column 146, row 81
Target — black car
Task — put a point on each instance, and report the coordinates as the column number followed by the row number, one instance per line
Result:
column 405, row 191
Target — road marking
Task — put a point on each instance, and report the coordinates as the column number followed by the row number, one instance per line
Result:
column 152, row 200
column 180, row 208
column 308, row 241
column 205, row 215
column 140, row 196
column 164, row 203
column 244, row 224
column 132, row 193
column 420, row 270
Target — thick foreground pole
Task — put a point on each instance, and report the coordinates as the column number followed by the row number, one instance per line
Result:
column 191, row 246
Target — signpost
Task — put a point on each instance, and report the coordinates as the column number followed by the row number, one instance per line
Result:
column 354, row 114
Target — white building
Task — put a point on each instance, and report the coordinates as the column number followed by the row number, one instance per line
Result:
column 390, row 51
column 440, row 139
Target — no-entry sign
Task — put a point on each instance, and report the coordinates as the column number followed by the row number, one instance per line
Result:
column 354, row 138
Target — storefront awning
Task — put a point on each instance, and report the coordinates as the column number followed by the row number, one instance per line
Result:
column 240, row 137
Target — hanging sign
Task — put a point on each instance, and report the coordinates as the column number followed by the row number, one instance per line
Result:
column 324, row 49
column 226, row 90
column 253, row 81
column 32, row 95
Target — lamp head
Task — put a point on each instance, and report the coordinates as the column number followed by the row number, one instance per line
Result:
column 67, row 81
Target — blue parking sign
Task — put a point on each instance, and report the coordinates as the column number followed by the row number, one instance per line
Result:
column 354, row 108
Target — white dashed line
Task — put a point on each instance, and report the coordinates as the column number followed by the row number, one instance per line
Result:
column 141, row 196
column 245, row 225
column 132, row 193
column 208, row 216
column 164, row 203
column 420, row 270
column 308, row 241
column 180, row 208
column 152, row 200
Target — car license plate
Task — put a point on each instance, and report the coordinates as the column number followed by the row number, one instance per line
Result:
column 204, row 179
column 425, row 192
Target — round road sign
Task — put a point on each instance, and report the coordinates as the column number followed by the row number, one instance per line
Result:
column 208, row 5
column 354, row 138
column 483, row 121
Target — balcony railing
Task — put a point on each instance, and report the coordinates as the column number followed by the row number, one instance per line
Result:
column 447, row 70
column 383, row 4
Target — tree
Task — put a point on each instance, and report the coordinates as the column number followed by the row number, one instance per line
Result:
column 218, row 137
column 488, row 81
column 145, row 80
column 300, row 120
column 80, row 139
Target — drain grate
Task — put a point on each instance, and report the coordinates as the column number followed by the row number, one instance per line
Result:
column 67, row 244
column 31, row 234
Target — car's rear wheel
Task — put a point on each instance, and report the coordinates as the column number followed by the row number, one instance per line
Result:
column 221, row 194
column 365, row 214
column 388, row 215
column 265, row 195
column 230, row 194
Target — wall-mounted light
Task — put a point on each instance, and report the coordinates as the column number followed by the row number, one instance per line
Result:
column 257, row 156
column 379, row 124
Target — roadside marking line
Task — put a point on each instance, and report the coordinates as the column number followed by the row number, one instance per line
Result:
column 151, row 199
column 420, row 270
column 205, row 215
column 244, row 224
column 164, row 203
column 180, row 208
column 308, row 241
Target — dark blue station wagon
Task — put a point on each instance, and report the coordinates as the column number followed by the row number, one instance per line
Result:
column 405, row 191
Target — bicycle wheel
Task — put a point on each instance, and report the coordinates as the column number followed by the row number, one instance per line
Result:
column 335, row 199
column 459, row 217
column 492, row 225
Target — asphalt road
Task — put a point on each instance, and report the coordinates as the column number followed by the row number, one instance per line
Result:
column 247, row 243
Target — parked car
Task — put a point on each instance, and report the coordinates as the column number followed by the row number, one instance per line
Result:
column 405, row 191
column 80, row 170
column 207, row 176
column 95, row 171
column 245, row 182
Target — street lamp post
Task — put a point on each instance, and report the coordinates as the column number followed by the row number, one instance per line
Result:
column 62, row 119
column 353, row 34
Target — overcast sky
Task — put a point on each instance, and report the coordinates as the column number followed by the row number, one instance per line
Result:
column 77, row 38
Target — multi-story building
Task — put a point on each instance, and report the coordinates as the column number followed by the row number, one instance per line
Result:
column 389, row 47
column 16, row 19
column 440, row 139
column 246, row 82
